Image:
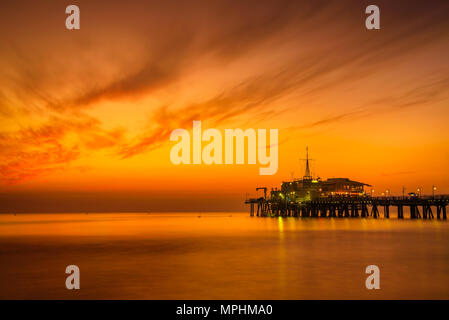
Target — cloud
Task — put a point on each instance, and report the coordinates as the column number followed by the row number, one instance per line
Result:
column 252, row 96
column 31, row 164
column 42, row 149
column 223, row 31
column 311, row 47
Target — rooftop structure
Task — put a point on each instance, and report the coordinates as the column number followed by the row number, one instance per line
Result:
column 309, row 188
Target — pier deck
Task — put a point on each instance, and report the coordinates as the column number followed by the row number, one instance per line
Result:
column 345, row 207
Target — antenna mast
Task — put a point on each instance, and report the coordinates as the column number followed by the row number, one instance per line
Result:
column 307, row 175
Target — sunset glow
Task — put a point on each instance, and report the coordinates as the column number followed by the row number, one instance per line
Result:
column 87, row 115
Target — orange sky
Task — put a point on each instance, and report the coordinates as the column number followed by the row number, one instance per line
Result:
column 86, row 115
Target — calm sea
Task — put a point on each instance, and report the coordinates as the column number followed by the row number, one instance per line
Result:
column 220, row 256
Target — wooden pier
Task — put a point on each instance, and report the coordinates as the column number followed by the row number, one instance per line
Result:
column 352, row 207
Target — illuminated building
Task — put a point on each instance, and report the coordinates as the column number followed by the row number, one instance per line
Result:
column 309, row 188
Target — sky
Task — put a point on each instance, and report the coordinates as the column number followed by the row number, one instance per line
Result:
column 86, row 115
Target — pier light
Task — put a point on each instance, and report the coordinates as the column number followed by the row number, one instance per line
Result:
column 433, row 191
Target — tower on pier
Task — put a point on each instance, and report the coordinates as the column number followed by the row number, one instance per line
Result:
column 307, row 175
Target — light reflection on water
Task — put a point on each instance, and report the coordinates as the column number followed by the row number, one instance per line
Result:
column 220, row 256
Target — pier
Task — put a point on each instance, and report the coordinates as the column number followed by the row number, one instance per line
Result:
column 431, row 207
column 342, row 198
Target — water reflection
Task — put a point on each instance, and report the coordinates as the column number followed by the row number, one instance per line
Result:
column 220, row 256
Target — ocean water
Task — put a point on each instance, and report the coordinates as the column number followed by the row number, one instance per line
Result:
column 220, row 256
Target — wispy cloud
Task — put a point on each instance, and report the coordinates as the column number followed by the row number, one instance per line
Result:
column 310, row 48
column 31, row 164
column 34, row 151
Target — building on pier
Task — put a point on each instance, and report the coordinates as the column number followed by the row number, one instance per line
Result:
column 310, row 188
